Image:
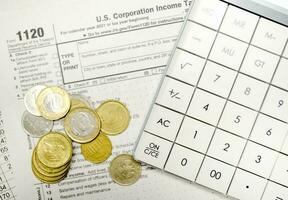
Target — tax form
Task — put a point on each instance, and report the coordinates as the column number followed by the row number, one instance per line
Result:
column 103, row 50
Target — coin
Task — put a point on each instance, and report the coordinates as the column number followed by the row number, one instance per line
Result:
column 30, row 99
column 36, row 126
column 124, row 170
column 78, row 101
column 46, row 171
column 98, row 150
column 115, row 117
column 53, row 103
column 82, row 125
column 54, row 150
column 46, row 179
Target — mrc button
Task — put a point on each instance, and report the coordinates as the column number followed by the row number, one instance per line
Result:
column 152, row 150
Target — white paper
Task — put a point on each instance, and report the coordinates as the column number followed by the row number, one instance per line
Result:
column 103, row 50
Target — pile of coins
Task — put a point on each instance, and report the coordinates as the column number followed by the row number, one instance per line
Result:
column 83, row 124
column 52, row 157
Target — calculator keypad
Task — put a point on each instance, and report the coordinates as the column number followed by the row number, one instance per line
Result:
column 220, row 117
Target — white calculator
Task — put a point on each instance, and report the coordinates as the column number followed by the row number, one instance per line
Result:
column 220, row 115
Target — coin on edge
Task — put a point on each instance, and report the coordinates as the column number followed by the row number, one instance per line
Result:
column 98, row 150
column 45, row 179
column 53, row 103
column 54, row 150
column 115, row 117
column 35, row 126
column 124, row 170
column 82, row 125
column 30, row 99
column 78, row 101
column 48, row 172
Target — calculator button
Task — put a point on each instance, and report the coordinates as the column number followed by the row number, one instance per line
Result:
column 195, row 134
column 226, row 147
column 258, row 159
column 284, row 148
column 152, row 150
column 175, row 95
column 285, row 54
column 208, row 13
column 186, row 67
column 215, row 174
column 280, row 171
column 239, row 23
column 217, row 79
column 237, row 119
column 269, row 132
column 259, row 64
column 275, row 192
column 184, row 162
column 206, row 107
column 249, row 91
column 163, row 122
column 276, row 104
column 247, row 186
column 228, row 51
column 280, row 78
column 270, row 36
column 197, row 39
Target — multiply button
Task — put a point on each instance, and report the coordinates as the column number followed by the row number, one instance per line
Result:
column 152, row 150
column 163, row 122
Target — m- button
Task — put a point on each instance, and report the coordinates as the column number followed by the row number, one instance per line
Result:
column 164, row 123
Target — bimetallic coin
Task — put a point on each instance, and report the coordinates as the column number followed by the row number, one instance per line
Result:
column 98, row 150
column 115, row 117
column 79, row 101
column 54, row 150
column 53, row 103
column 124, row 170
column 36, row 126
column 82, row 125
column 30, row 99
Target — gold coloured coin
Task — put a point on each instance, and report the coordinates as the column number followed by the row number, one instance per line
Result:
column 54, row 150
column 115, row 117
column 45, row 179
column 98, row 150
column 124, row 170
column 82, row 125
column 78, row 101
column 46, row 171
column 53, row 103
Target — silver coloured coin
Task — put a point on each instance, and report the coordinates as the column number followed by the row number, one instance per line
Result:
column 83, row 123
column 31, row 97
column 36, row 126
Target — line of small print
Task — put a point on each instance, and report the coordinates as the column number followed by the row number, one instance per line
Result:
column 118, row 74
column 249, row 44
column 214, row 159
column 60, row 43
column 219, row 129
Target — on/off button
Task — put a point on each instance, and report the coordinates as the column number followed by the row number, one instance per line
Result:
column 152, row 150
